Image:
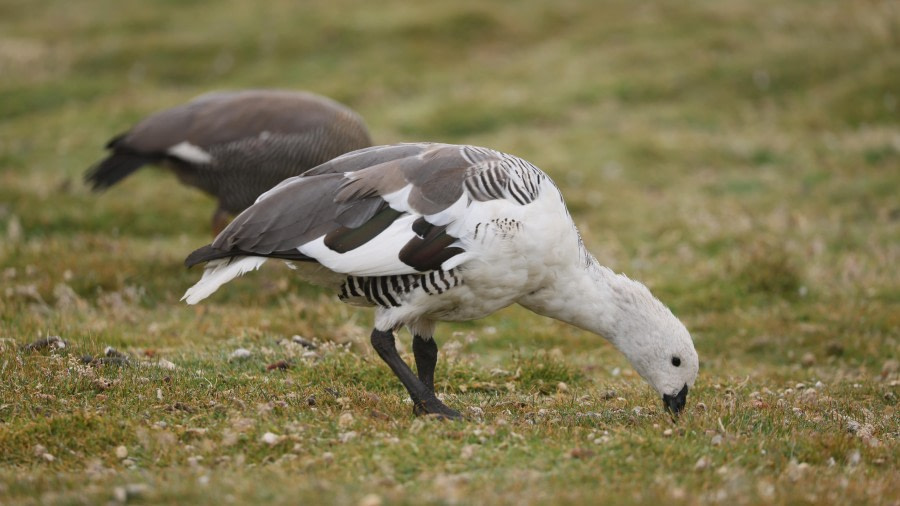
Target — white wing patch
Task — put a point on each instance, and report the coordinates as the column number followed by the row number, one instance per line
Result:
column 378, row 257
column 190, row 153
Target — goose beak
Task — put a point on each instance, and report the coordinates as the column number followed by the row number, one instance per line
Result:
column 675, row 403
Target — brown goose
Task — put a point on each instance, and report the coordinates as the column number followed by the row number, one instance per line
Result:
column 235, row 145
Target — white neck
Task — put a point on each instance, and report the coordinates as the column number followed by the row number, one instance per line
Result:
column 596, row 299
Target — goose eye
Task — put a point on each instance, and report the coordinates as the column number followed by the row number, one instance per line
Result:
column 676, row 361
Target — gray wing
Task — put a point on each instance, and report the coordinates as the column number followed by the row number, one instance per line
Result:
column 306, row 128
column 220, row 118
column 353, row 200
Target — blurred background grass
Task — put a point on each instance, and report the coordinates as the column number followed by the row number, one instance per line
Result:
column 741, row 158
column 728, row 153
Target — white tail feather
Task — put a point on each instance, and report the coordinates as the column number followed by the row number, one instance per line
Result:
column 219, row 272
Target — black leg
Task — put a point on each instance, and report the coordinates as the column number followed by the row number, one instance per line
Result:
column 426, row 352
column 424, row 401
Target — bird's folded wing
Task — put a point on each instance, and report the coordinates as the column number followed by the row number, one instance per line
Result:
column 380, row 211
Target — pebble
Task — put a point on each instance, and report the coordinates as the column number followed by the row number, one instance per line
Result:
column 796, row 471
column 270, row 438
column 121, row 452
column 371, row 500
column 48, row 457
column 346, row 437
column 716, row 440
column 240, row 354
column 667, row 433
column 581, row 453
column 130, row 491
column 165, row 364
column 808, row 359
column 702, row 463
column 345, row 420
column 303, row 342
column 468, row 451
column 891, row 366
column 562, row 387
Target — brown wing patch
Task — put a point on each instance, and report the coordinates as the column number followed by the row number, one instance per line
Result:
column 430, row 249
column 344, row 239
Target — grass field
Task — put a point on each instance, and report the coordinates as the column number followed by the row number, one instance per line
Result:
column 741, row 158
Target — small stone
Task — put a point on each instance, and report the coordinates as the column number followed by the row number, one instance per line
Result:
column 370, row 500
column 165, row 364
column 133, row 490
column 328, row 457
column 47, row 342
column 562, row 387
column 240, row 354
column 890, row 367
column 379, row 415
column 121, row 452
column 702, row 463
column 270, row 438
column 808, row 359
column 854, row 458
column 581, row 453
column 716, row 440
column 468, row 451
column 39, row 450
column 345, row 420
column 48, row 457
column 280, row 365
column 303, row 342
column 834, row 349
column 346, row 437
column 667, row 433
column 766, row 489
column 796, row 471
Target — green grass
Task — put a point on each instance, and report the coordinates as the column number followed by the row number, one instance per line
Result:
column 741, row 158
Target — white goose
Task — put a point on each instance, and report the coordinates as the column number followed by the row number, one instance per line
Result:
column 435, row 232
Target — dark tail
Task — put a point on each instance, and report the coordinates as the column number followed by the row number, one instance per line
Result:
column 113, row 169
column 208, row 253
